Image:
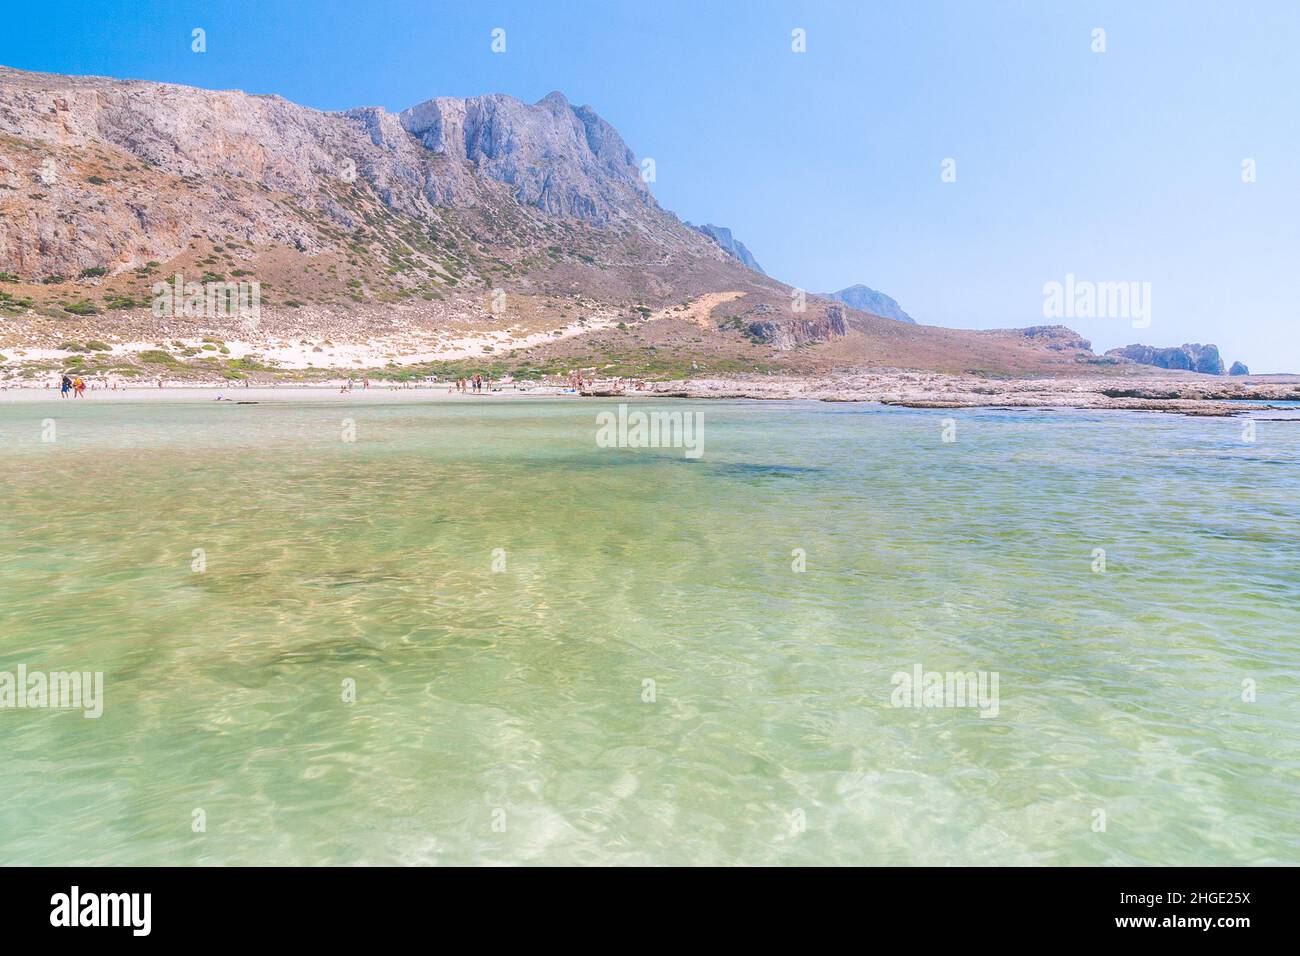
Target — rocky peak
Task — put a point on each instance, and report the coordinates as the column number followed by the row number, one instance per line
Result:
column 563, row 160
column 865, row 299
column 207, row 162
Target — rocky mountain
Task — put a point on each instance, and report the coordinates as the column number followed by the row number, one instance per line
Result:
column 866, row 299
column 110, row 174
column 1238, row 368
column 470, row 231
column 1192, row 357
column 729, row 244
column 561, row 159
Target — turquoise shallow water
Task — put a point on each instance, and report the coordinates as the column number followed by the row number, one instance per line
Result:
column 500, row 715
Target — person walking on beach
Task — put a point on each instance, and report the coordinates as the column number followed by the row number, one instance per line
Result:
column 65, row 386
column 79, row 388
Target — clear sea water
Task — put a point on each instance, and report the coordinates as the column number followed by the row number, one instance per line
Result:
column 501, row 592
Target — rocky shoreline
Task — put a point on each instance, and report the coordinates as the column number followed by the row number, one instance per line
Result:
column 1188, row 396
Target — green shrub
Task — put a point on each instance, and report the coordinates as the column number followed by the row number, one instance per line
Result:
column 11, row 303
column 156, row 357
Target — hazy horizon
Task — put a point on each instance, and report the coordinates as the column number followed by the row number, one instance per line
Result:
column 1117, row 166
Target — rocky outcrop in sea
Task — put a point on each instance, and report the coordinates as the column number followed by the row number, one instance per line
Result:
column 1192, row 357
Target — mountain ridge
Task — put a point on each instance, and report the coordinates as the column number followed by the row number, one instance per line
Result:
column 479, row 228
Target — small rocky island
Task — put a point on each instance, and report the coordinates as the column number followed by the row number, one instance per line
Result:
column 1189, row 357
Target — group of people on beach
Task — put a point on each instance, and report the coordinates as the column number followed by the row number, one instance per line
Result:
column 77, row 386
column 476, row 384
column 348, row 386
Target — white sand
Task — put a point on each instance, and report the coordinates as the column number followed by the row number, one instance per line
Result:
column 375, row 352
column 377, row 393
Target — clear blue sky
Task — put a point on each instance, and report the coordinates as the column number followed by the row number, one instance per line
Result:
column 1117, row 166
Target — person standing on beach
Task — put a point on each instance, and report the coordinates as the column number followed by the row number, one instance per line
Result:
column 65, row 386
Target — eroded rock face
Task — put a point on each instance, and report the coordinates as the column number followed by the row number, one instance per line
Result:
column 564, row 160
column 1238, row 368
column 786, row 334
column 1191, row 357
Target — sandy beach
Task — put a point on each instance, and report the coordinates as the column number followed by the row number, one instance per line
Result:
column 378, row 394
column 1188, row 395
